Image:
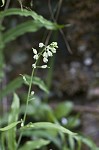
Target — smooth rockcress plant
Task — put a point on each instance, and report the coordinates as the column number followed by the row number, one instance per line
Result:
column 46, row 52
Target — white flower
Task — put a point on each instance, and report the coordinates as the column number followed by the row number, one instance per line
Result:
column 48, row 47
column 49, row 53
column 53, row 50
column 54, row 44
column 45, row 60
column 44, row 66
column 34, row 65
column 41, row 45
column 34, row 51
column 35, row 56
column 32, row 92
column 45, row 54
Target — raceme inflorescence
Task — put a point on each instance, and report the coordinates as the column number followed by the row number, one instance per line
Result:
column 47, row 51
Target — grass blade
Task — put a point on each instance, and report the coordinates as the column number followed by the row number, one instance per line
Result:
column 29, row 26
column 32, row 145
column 13, row 116
column 10, row 126
column 48, row 125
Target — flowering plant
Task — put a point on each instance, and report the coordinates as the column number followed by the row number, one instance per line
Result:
column 47, row 51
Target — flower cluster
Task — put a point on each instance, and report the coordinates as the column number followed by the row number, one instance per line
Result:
column 47, row 51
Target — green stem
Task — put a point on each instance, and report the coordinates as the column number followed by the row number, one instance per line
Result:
column 27, row 101
column 30, row 85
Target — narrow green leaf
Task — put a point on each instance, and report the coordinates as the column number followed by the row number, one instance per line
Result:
column 45, row 111
column 34, row 15
column 48, row 125
column 13, row 117
column 37, row 81
column 52, row 136
column 32, row 145
column 71, row 142
column 63, row 109
column 10, row 126
column 29, row 26
column 17, row 83
column 11, row 87
column 2, row 141
column 87, row 141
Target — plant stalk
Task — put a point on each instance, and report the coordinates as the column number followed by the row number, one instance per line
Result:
column 27, row 101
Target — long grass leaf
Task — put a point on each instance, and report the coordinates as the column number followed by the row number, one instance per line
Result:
column 29, row 26
column 36, row 144
column 13, row 117
column 48, row 125
column 29, row 13
column 10, row 126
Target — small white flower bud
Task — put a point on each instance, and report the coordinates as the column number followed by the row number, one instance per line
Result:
column 34, row 51
column 54, row 44
column 53, row 50
column 49, row 53
column 32, row 92
column 41, row 45
column 24, row 78
column 44, row 66
column 45, row 54
column 35, row 56
column 34, row 65
column 45, row 60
